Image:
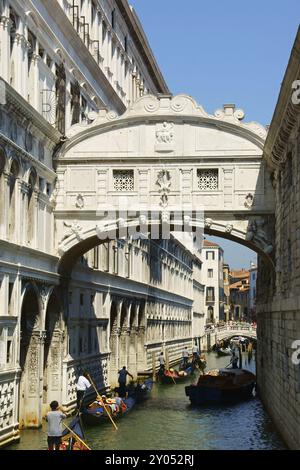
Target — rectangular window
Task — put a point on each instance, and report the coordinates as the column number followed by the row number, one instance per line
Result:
column 208, row 180
column 123, row 180
column 96, row 257
column 10, row 291
column 115, row 259
column 210, row 273
column 8, row 352
column 81, row 299
column 113, row 19
column 210, row 294
column 210, row 255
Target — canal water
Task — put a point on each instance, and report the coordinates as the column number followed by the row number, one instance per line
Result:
column 168, row 422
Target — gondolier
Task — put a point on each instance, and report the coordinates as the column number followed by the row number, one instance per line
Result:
column 82, row 385
column 185, row 356
column 122, row 380
column 162, row 363
column 195, row 351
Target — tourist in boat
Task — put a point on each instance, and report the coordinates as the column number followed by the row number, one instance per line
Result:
column 82, row 385
column 185, row 356
column 54, row 419
column 123, row 373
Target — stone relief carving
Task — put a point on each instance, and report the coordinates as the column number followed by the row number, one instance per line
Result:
column 249, row 200
column 74, row 229
column 256, row 232
column 164, row 133
column 164, row 182
column 228, row 228
column 208, row 223
column 164, row 137
column 79, row 201
column 54, row 194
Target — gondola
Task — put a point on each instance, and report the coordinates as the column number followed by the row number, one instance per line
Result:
column 94, row 414
column 222, row 386
column 141, row 392
column 73, row 438
column 224, row 352
column 173, row 376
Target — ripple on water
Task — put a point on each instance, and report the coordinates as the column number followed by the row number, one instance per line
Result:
column 168, row 422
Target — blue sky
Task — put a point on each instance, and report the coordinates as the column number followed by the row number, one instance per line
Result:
column 220, row 52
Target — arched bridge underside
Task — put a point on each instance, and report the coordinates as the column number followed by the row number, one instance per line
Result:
column 228, row 334
column 164, row 165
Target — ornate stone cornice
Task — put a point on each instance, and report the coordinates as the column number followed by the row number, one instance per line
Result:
column 166, row 108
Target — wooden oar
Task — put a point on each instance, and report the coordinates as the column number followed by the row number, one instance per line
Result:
column 172, row 378
column 77, row 437
column 99, row 398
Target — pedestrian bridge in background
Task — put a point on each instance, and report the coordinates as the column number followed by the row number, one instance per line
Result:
column 229, row 331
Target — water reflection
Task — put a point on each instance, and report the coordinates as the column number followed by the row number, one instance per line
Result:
column 168, row 422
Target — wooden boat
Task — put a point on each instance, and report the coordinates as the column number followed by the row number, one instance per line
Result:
column 224, row 352
column 73, row 438
column 222, row 386
column 94, row 414
column 141, row 392
column 173, row 376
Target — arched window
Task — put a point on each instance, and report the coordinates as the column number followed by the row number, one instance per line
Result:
column 12, row 33
column 31, row 208
column 14, row 173
column 2, row 189
column 60, row 98
column 210, row 314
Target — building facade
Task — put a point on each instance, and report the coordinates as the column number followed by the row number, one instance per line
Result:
column 62, row 61
column 212, row 277
column 278, row 301
column 239, row 294
column 226, row 278
column 252, row 292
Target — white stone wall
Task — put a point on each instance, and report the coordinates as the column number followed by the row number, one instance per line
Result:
column 212, row 276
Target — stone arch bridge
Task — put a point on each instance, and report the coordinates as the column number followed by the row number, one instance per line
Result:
column 227, row 332
column 165, row 155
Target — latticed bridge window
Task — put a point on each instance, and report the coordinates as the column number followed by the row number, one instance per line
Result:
column 208, row 180
column 123, row 180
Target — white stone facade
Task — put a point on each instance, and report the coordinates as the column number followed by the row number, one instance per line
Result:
column 54, row 73
column 212, row 256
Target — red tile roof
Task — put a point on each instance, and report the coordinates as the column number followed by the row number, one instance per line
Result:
column 207, row 243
